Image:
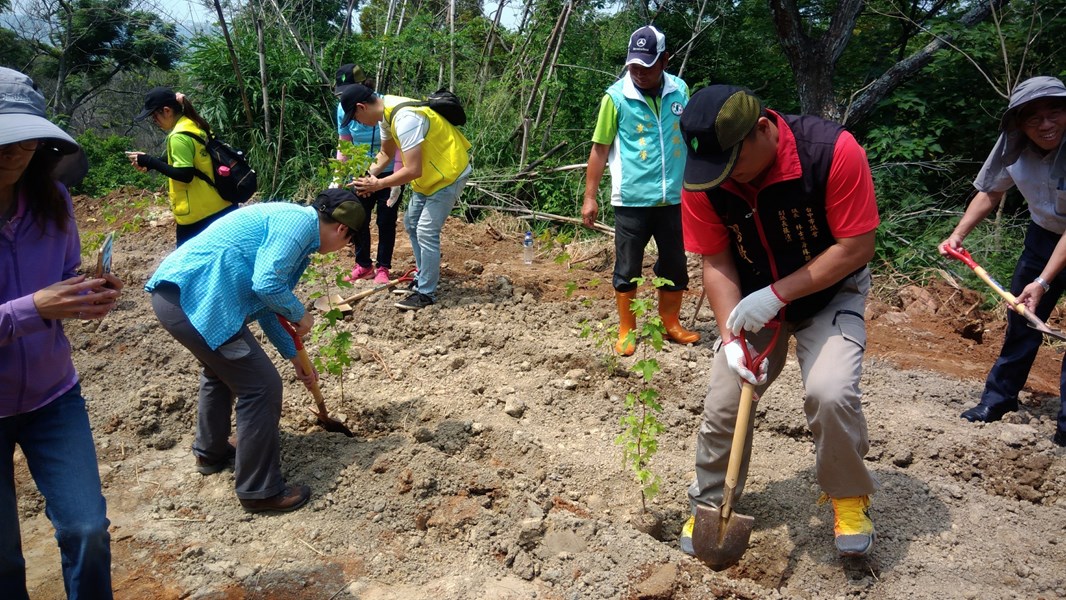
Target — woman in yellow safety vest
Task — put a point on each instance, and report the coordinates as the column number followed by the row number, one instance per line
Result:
column 194, row 200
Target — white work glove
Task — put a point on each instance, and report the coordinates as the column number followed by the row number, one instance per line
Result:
column 336, row 183
column 734, row 355
column 394, row 195
column 754, row 311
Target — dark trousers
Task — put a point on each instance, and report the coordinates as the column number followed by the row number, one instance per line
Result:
column 1022, row 342
column 238, row 368
column 188, row 232
column 633, row 228
column 386, row 222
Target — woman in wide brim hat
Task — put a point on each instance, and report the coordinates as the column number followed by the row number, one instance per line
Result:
column 193, row 199
column 42, row 409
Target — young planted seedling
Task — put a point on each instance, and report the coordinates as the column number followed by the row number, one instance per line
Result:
column 641, row 425
column 342, row 172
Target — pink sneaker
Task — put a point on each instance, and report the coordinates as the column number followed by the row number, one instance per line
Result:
column 360, row 272
column 381, row 275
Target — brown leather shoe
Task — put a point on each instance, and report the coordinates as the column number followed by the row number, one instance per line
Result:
column 292, row 498
column 205, row 466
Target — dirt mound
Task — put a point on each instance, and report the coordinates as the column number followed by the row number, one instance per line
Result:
column 484, row 463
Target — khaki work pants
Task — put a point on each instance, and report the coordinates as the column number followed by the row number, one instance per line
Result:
column 829, row 348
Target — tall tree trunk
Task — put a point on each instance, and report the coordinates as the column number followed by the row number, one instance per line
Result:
column 263, row 73
column 486, row 51
column 696, row 31
column 326, row 79
column 881, row 87
column 385, row 36
column 346, row 27
column 236, row 67
column 451, row 45
column 567, row 10
column 813, row 61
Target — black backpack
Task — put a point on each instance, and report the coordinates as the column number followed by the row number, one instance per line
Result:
column 235, row 180
column 444, row 103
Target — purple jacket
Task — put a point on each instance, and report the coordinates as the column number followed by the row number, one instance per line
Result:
column 35, row 364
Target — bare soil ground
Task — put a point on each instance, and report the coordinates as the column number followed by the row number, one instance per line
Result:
column 484, row 462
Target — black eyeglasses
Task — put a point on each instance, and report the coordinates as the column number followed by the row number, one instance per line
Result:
column 27, row 145
column 1055, row 115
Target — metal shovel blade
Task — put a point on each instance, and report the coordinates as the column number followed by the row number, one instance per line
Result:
column 1042, row 327
column 328, row 303
column 718, row 542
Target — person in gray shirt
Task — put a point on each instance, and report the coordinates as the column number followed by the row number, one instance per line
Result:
column 1028, row 155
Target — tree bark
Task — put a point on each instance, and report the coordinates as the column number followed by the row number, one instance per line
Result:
column 865, row 103
column 555, row 57
column 696, row 31
column 236, row 67
column 451, row 45
column 813, row 61
column 326, row 80
column 263, row 73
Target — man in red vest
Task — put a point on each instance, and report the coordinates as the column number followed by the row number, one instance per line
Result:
column 783, row 212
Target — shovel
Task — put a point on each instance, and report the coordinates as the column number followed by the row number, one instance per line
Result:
column 720, row 536
column 1019, row 307
column 324, row 420
column 328, row 303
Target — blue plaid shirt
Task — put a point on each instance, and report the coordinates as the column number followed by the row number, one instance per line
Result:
column 244, row 266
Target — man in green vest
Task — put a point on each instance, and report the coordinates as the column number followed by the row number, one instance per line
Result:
column 638, row 135
column 436, row 162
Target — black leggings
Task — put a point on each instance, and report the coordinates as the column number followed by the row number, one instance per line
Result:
column 386, row 222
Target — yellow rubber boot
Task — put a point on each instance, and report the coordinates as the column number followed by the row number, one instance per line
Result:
column 627, row 322
column 669, row 312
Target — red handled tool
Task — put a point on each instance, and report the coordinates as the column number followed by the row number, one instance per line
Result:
column 327, row 303
column 328, row 423
column 1012, row 301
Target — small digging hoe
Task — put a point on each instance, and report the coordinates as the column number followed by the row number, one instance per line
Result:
column 1012, row 301
column 720, row 536
column 324, row 420
column 327, row 303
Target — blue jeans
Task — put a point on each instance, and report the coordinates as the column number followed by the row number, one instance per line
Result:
column 1021, row 342
column 59, row 451
column 423, row 221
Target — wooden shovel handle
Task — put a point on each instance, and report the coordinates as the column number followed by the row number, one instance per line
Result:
column 408, row 276
column 305, row 364
column 736, row 452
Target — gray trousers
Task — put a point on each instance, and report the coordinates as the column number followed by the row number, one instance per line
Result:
column 829, row 348
column 238, row 368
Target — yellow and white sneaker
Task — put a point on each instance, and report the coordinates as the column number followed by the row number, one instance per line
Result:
column 852, row 526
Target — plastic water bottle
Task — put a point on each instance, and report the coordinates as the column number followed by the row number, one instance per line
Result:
column 527, row 248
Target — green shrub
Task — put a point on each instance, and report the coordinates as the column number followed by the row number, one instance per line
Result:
column 109, row 169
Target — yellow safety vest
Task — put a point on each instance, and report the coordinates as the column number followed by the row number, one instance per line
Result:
column 197, row 199
column 444, row 151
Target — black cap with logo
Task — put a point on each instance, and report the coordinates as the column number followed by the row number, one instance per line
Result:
column 715, row 122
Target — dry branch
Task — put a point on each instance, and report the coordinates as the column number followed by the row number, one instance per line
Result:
column 536, row 214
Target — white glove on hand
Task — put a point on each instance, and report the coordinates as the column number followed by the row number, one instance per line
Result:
column 394, row 195
column 754, row 311
column 336, row 183
column 734, row 355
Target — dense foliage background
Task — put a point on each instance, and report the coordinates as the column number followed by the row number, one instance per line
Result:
column 921, row 83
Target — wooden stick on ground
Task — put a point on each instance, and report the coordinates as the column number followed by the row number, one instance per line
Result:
column 699, row 304
column 571, row 264
column 598, row 226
